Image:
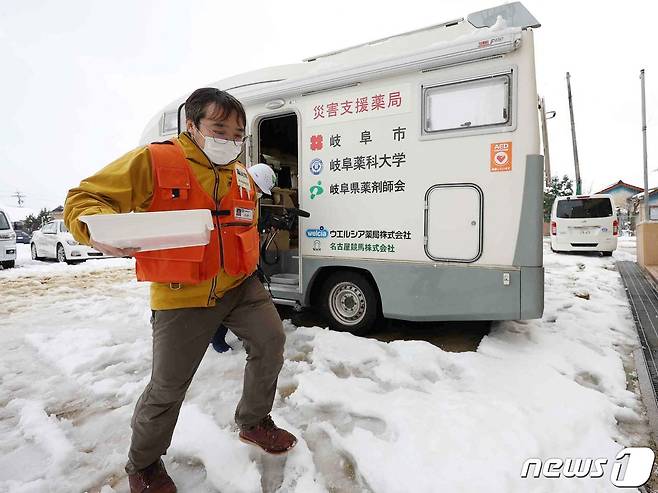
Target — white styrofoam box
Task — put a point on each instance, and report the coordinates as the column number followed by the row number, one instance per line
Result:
column 151, row 230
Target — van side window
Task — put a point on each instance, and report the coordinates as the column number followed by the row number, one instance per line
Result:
column 470, row 104
column 4, row 224
column 169, row 123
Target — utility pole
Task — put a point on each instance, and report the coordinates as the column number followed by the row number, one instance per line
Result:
column 544, row 134
column 644, row 143
column 19, row 196
column 573, row 138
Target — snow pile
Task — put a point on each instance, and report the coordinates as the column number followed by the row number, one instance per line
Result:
column 26, row 267
column 370, row 416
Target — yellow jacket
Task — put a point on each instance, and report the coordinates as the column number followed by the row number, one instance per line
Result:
column 126, row 185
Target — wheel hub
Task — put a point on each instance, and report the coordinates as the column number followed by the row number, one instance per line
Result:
column 347, row 303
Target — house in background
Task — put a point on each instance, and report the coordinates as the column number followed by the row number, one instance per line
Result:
column 57, row 213
column 621, row 193
column 623, row 196
column 638, row 205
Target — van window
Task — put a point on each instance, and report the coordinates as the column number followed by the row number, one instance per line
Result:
column 4, row 223
column 469, row 104
column 584, row 208
column 169, row 122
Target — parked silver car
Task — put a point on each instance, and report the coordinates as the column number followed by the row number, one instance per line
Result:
column 7, row 242
column 53, row 240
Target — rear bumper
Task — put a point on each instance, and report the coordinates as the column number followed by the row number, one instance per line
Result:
column 7, row 251
column 584, row 245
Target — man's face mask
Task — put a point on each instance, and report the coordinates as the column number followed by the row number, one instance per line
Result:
column 221, row 151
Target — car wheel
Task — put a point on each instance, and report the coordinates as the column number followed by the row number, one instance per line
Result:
column 350, row 302
column 61, row 254
column 8, row 264
column 33, row 251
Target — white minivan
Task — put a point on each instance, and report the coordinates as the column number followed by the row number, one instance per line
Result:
column 584, row 223
column 7, row 242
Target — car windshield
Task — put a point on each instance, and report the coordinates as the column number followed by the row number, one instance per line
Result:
column 584, row 208
column 4, row 224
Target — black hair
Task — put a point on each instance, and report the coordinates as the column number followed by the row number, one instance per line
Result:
column 198, row 102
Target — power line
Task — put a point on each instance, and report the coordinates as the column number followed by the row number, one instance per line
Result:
column 19, row 196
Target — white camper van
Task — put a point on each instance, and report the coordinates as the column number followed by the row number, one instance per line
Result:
column 7, row 242
column 584, row 223
column 417, row 157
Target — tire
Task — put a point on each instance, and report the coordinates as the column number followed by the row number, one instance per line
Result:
column 33, row 251
column 606, row 254
column 8, row 264
column 61, row 254
column 350, row 302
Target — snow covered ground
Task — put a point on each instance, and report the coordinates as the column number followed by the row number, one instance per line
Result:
column 370, row 416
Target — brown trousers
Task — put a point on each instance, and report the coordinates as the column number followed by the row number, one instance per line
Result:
column 180, row 339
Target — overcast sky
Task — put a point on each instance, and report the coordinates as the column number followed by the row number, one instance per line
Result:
column 81, row 78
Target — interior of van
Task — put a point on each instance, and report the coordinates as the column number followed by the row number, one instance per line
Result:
column 277, row 146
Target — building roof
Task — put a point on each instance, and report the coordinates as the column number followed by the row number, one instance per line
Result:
column 652, row 192
column 621, row 184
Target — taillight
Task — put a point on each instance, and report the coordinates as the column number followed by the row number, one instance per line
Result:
column 553, row 228
column 615, row 228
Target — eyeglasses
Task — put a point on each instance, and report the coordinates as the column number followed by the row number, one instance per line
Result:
column 238, row 141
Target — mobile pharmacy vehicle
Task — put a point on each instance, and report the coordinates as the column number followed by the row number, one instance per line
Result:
column 417, row 157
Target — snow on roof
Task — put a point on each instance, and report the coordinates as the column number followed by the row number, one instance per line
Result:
column 640, row 196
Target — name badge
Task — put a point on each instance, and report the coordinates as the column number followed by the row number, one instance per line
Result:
column 244, row 214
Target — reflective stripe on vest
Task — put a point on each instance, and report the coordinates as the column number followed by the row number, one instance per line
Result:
column 176, row 188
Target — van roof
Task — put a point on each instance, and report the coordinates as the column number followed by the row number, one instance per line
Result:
column 581, row 197
column 348, row 65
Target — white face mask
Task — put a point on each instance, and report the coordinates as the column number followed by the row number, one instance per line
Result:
column 220, row 151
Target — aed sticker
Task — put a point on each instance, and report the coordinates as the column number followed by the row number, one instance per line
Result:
column 243, row 178
column 501, row 156
column 244, row 214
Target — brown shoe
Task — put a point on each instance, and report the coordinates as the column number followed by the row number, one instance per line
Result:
column 268, row 436
column 153, row 479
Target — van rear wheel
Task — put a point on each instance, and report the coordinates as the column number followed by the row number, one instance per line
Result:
column 350, row 302
column 8, row 264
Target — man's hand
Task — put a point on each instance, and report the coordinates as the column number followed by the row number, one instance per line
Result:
column 113, row 251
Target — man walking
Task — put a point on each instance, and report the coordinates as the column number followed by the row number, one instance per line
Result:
column 194, row 289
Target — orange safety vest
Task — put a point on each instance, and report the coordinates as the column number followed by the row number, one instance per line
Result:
column 176, row 188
